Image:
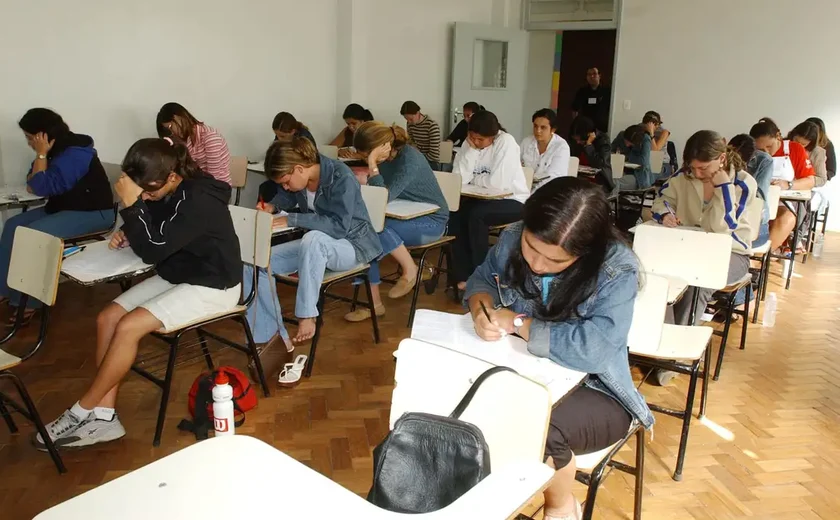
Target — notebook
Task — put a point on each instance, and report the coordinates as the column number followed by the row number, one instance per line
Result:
column 99, row 263
column 456, row 332
column 277, row 227
column 406, row 209
column 484, row 193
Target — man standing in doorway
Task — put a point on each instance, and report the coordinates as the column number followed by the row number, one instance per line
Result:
column 593, row 100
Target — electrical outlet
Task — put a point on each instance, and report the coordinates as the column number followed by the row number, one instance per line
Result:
column 626, row 104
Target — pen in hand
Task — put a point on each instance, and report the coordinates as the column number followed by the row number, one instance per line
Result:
column 490, row 320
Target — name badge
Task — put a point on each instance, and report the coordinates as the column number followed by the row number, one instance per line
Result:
column 593, row 101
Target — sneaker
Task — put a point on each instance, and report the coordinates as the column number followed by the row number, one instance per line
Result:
column 70, row 431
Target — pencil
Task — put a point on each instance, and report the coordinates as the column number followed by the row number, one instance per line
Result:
column 484, row 310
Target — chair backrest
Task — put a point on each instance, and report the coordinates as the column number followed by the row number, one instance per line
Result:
column 113, row 171
column 529, row 176
column 511, row 411
column 656, row 160
column 450, row 185
column 700, row 259
column 376, row 200
column 35, row 264
column 253, row 228
column 773, row 200
column 648, row 314
column 617, row 161
column 446, row 150
column 574, row 164
column 328, row 150
column 238, row 171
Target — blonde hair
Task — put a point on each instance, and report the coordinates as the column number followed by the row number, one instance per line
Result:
column 708, row 145
column 372, row 134
column 283, row 156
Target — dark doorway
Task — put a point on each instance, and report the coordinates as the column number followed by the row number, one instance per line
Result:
column 581, row 50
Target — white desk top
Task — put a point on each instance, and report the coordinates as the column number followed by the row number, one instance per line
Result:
column 257, row 167
column 588, row 170
column 796, row 195
column 13, row 195
column 469, row 190
column 632, row 166
column 407, row 209
column 268, row 484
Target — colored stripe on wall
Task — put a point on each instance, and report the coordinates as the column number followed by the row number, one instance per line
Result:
column 555, row 78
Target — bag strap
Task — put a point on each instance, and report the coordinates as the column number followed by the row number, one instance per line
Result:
column 456, row 413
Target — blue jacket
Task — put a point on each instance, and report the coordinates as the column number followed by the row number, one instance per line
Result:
column 595, row 343
column 340, row 211
column 761, row 167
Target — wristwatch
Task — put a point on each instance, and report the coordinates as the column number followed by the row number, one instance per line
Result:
column 518, row 321
column 41, row 156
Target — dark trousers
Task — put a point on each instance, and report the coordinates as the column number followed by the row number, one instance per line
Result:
column 471, row 227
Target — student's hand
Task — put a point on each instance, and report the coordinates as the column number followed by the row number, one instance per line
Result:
column 785, row 185
column 721, row 177
column 41, row 143
column 590, row 139
column 281, row 221
column 377, row 155
column 346, row 153
column 265, row 206
column 670, row 221
column 118, row 240
column 499, row 325
column 127, row 190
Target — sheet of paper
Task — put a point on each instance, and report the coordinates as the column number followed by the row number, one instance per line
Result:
column 98, row 262
column 470, row 189
column 276, row 226
column 257, row 167
column 456, row 332
column 17, row 193
column 796, row 194
column 407, row 208
column 588, row 170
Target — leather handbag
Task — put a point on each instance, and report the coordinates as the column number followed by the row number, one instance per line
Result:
column 427, row 461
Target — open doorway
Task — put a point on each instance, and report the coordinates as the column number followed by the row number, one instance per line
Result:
column 577, row 52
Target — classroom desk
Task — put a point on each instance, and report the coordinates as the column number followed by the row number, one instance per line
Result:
column 18, row 197
column 631, row 166
column 800, row 199
column 475, row 192
column 126, row 266
column 408, row 209
column 257, row 167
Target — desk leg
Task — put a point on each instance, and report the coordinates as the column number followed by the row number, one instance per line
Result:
column 793, row 245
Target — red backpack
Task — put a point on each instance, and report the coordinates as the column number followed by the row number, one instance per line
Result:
column 200, row 401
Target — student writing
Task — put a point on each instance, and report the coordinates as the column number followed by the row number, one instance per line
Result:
column 354, row 115
column 424, row 133
column 285, row 126
column 207, row 147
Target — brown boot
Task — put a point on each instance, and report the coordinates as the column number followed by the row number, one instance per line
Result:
column 273, row 355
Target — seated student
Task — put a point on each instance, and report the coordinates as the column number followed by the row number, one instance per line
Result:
column 354, row 115
column 459, row 133
column 792, row 170
column 339, row 234
column 66, row 169
column 638, row 142
column 652, row 122
column 176, row 217
column 489, row 158
column 592, row 148
column 545, row 152
column 808, row 135
column 760, row 166
column 715, row 193
column 285, row 127
column 569, row 276
column 394, row 164
column 207, row 147
column 423, row 131
column 825, row 142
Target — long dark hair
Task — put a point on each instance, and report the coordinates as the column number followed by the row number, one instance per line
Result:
column 150, row 161
column 485, row 123
column 286, row 122
column 808, row 130
column 167, row 114
column 357, row 112
column 824, row 140
column 37, row 120
column 575, row 215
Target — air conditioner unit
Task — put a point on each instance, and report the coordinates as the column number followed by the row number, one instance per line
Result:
column 570, row 14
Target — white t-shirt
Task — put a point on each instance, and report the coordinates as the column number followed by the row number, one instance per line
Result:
column 310, row 199
column 550, row 165
column 498, row 166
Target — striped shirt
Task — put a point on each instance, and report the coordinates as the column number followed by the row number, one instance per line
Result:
column 426, row 137
column 210, row 152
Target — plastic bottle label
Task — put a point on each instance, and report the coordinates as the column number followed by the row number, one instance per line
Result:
column 220, row 424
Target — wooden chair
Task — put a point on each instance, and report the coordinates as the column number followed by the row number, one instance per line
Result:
column 446, row 151
column 574, row 165
column 376, row 201
column 253, row 228
column 328, row 151
column 697, row 259
column 617, row 161
column 238, row 175
column 33, row 271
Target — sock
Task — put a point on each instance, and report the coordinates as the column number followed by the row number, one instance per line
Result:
column 78, row 411
column 105, row 414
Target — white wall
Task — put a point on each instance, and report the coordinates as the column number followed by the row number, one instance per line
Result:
column 541, row 45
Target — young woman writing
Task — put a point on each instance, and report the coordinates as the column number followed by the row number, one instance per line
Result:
column 401, row 168
column 339, row 234
column 176, row 217
column 565, row 272
column 354, row 115
column 489, row 158
column 285, row 127
column 208, row 149
column 808, row 135
column 459, row 133
column 67, row 171
column 825, row 142
column 545, row 152
column 424, row 133
column 592, row 148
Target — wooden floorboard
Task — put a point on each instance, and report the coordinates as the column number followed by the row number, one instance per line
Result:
column 769, row 447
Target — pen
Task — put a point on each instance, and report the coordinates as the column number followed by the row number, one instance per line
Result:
column 484, row 310
column 670, row 209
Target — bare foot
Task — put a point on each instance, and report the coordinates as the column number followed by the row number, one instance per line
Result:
column 306, row 329
column 462, row 286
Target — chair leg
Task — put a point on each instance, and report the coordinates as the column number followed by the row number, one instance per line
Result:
column 39, row 424
column 689, row 405
column 746, row 315
column 205, row 349
column 640, row 473
column 7, row 417
column 450, row 280
column 355, row 298
column 762, row 279
column 253, row 354
column 704, row 390
column 167, row 386
column 373, row 318
column 416, row 291
column 730, row 306
column 431, row 285
column 595, row 479
column 319, row 323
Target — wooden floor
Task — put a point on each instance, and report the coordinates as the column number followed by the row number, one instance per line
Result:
column 769, row 448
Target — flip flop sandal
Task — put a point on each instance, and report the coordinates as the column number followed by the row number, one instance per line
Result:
column 292, row 372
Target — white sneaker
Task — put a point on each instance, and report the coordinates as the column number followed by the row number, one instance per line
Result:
column 70, row 431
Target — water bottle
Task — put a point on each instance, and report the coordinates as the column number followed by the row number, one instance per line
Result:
column 769, row 318
column 222, row 405
column 818, row 245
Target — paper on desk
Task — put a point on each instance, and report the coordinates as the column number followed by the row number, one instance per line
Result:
column 98, row 262
column 276, row 227
column 471, row 189
column 408, row 207
column 588, row 170
column 456, row 332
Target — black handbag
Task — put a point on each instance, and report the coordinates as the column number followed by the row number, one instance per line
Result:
column 427, row 461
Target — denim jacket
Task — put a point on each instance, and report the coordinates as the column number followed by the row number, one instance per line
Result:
column 595, row 343
column 340, row 211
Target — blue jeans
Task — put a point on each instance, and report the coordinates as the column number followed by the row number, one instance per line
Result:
column 310, row 257
column 413, row 232
column 64, row 224
column 763, row 237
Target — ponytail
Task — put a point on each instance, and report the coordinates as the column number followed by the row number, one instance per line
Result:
column 287, row 123
column 283, row 156
column 373, row 134
column 150, row 161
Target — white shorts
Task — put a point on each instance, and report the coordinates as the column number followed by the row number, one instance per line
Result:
column 176, row 305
